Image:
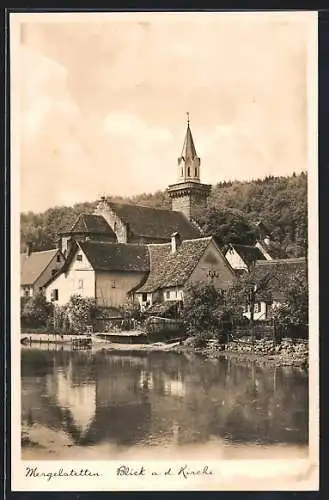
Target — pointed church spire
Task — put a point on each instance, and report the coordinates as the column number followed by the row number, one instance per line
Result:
column 188, row 162
column 188, row 151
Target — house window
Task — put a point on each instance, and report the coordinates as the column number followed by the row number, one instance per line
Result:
column 144, row 297
column 167, row 295
column 188, row 171
column 54, row 295
column 196, row 172
column 79, row 257
column 257, row 307
column 80, row 284
column 26, row 292
column 58, row 258
column 115, row 227
column 113, row 284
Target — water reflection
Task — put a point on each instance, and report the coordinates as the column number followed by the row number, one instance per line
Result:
column 161, row 399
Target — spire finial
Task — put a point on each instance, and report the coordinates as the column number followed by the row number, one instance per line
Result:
column 188, row 118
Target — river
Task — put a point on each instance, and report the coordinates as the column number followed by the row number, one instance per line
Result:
column 105, row 405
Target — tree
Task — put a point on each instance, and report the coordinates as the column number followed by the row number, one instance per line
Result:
column 207, row 312
column 80, row 312
column 292, row 315
column 36, row 311
column 226, row 226
column 247, row 289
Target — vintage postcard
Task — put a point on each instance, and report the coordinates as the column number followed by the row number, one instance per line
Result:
column 164, row 251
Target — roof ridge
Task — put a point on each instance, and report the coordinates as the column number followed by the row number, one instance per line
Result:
column 41, row 251
column 281, row 261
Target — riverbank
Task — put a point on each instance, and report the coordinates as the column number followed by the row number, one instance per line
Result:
column 263, row 352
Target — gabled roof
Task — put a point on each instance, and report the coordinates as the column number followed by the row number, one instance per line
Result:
column 33, row 265
column 116, row 256
column 248, row 254
column 169, row 269
column 154, row 222
column 92, row 224
column 277, row 274
column 273, row 250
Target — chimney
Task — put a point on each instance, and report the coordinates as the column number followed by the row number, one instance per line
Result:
column 267, row 240
column 28, row 249
column 175, row 242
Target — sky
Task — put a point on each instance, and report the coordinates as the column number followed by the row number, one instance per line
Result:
column 103, row 101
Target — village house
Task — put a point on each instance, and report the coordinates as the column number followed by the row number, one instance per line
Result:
column 104, row 271
column 37, row 268
column 175, row 265
column 272, row 278
column 243, row 257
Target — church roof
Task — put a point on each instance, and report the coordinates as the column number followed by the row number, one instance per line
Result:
column 169, row 269
column 116, row 256
column 92, row 224
column 155, row 223
column 188, row 151
column 32, row 266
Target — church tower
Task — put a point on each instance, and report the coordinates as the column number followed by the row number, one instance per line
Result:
column 188, row 195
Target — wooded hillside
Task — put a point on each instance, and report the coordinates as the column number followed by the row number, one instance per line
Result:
column 234, row 209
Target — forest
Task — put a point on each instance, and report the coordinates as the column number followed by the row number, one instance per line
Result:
column 234, row 208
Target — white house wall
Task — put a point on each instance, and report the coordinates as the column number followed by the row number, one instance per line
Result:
column 259, row 311
column 235, row 260
column 79, row 279
column 172, row 294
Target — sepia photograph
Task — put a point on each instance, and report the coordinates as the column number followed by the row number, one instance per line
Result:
column 164, row 247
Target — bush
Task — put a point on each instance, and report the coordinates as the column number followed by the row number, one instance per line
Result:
column 36, row 312
column 77, row 315
column 201, row 340
column 205, row 310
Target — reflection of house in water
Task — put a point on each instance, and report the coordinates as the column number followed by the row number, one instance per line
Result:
column 166, row 385
column 80, row 400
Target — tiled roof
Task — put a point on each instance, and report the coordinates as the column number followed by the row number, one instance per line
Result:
column 92, row 224
column 169, row 269
column 248, row 254
column 277, row 274
column 116, row 256
column 32, row 266
column 155, row 222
